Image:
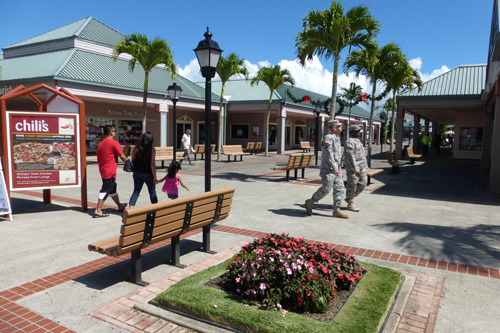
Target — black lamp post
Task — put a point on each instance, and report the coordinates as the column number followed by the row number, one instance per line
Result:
column 208, row 54
column 174, row 92
column 317, row 111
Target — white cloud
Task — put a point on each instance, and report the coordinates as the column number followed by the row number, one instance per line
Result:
column 417, row 64
column 192, row 71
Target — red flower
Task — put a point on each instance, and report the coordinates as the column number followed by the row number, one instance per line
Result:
column 283, row 249
column 363, row 97
column 287, row 243
column 341, row 275
column 338, row 268
column 281, row 241
column 306, row 99
column 325, row 270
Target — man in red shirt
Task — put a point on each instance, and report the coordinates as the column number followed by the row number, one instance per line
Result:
column 108, row 152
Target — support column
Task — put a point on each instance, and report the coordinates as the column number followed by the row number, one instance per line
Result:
column 364, row 134
column 281, row 120
column 400, row 118
column 495, row 150
column 416, row 132
column 487, row 135
column 163, row 129
column 379, row 133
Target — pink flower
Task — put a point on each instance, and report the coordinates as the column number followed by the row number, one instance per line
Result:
column 278, row 306
column 215, row 306
column 262, row 286
column 247, row 305
column 237, row 280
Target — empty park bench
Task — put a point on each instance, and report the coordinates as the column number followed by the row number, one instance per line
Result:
column 305, row 146
column 257, row 148
column 250, row 147
column 411, row 155
column 127, row 150
column 296, row 162
column 372, row 172
column 391, row 159
column 147, row 225
column 200, row 149
column 166, row 154
column 233, row 150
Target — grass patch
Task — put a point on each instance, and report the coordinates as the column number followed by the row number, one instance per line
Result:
column 364, row 312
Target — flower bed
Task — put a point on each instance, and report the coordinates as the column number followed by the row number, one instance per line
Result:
column 286, row 272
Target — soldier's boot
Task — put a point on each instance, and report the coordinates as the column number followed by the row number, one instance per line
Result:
column 309, row 206
column 352, row 206
column 338, row 213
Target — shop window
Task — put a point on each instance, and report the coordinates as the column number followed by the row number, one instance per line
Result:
column 94, row 131
column 129, row 132
column 239, row 131
column 471, row 138
column 201, row 133
column 300, row 134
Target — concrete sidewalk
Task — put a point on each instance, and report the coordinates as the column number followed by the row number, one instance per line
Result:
column 436, row 217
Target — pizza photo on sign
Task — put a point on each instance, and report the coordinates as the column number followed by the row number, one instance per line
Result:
column 32, row 152
column 65, row 148
column 64, row 163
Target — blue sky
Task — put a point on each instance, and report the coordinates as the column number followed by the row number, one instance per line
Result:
column 437, row 35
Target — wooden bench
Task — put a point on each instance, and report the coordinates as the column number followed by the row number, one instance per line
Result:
column 257, row 148
column 154, row 223
column 250, row 147
column 370, row 173
column 391, row 158
column 296, row 162
column 411, row 155
column 200, row 149
column 127, row 150
column 305, row 146
column 166, row 154
column 233, row 150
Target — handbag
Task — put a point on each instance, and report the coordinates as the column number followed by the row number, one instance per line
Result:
column 129, row 165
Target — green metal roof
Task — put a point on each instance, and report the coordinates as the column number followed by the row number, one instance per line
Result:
column 242, row 91
column 95, row 69
column 464, row 80
column 88, row 29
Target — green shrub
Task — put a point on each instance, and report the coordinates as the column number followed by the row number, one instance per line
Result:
column 286, row 272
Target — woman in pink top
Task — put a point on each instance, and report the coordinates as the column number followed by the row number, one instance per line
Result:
column 172, row 180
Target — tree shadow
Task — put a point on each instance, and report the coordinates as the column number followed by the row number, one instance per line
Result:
column 475, row 245
column 26, row 206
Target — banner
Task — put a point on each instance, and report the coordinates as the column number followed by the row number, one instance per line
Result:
column 44, row 150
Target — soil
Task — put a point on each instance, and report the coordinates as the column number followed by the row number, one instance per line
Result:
column 335, row 304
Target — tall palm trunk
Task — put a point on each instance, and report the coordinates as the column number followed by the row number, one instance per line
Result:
column 267, row 122
column 333, row 103
column 144, row 103
column 220, row 122
column 393, row 119
column 370, row 130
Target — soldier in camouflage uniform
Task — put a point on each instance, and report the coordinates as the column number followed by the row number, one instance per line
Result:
column 330, row 172
column 355, row 166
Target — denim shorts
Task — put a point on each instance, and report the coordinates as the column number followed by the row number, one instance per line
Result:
column 172, row 196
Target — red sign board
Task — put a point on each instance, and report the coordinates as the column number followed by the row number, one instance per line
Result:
column 44, row 150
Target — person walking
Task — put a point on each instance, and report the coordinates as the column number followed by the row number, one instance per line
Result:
column 330, row 171
column 355, row 166
column 172, row 181
column 426, row 140
column 108, row 152
column 143, row 158
column 186, row 145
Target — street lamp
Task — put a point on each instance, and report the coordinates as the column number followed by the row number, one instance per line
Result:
column 317, row 111
column 174, row 92
column 208, row 54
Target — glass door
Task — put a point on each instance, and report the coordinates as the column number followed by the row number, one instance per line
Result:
column 180, row 131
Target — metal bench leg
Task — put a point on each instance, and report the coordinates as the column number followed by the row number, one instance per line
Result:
column 175, row 252
column 241, row 158
column 369, row 181
column 287, row 175
column 303, row 173
column 162, row 164
column 295, row 174
column 206, row 240
column 137, row 268
column 412, row 161
column 228, row 158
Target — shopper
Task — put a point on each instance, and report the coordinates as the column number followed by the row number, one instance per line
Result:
column 143, row 158
column 172, row 181
column 108, row 152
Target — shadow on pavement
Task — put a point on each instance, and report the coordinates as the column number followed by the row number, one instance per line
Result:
column 475, row 245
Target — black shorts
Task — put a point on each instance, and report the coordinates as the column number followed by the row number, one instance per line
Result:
column 108, row 188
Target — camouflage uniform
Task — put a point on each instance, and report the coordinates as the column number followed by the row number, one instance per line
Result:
column 330, row 161
column 355, row 160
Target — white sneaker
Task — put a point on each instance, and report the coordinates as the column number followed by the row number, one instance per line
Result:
column 181, row 161
column 191, row 163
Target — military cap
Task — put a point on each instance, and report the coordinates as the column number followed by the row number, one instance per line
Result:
column 334, row 122
column 355, row 128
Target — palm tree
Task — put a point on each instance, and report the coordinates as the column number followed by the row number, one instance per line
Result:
column 274, row 77
column 327, row 33
column 352, row 96
column 400, row 78
column 148, row 54
column 228, row 67
column 374, row 64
